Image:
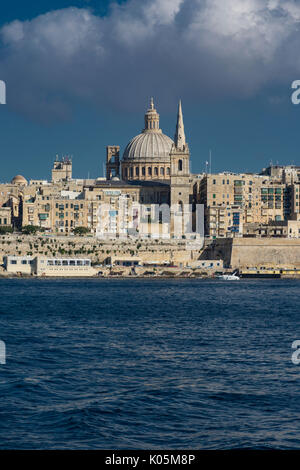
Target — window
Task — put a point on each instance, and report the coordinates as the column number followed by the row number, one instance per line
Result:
column 149, row 171
column 143, row 171
column 162, row 171
column 168, row 171
column 179, row 165
column 137, row 171
column 156, row 171
column 13, row 261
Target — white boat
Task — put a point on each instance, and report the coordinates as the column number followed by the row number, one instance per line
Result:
column 229, row 277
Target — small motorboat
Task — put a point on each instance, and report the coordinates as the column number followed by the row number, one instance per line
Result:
column 229, row 277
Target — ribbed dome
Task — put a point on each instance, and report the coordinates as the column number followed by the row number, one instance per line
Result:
column 149, row 146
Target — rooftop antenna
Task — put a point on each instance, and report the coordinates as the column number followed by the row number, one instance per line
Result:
column 210, row 161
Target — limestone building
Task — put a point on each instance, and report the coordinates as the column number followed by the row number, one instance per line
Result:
column 233, row 200
column 154, row 169
column 62, row 170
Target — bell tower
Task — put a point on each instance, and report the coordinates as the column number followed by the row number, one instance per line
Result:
column 62, row 169
column 112, row 161
column 180, row 172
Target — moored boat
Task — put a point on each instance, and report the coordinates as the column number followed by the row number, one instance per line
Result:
column 229, row 277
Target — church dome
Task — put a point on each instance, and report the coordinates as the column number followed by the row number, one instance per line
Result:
column 19, row 179
column 151, row 145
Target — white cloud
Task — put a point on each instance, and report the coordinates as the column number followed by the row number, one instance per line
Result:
column 167, row 47
column 252, row 28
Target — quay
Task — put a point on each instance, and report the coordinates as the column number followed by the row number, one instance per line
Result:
column 122, row 266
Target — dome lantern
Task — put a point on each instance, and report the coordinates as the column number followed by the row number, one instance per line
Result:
column 152, row 119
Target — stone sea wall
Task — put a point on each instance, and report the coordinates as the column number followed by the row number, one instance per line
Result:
column 97, row 250
column 255, row 252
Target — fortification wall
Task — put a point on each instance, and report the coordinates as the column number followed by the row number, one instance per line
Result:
column 170, row 251
column 255, row 252
column 271, row 252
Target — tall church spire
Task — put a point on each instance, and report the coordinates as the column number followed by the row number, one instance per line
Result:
column 179, row 138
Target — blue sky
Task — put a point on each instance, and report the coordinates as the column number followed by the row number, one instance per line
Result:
column 80, row 74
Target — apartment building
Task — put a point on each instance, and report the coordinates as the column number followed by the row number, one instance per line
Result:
column 232, row 200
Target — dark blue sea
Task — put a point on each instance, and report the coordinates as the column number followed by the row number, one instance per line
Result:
column 148, row 364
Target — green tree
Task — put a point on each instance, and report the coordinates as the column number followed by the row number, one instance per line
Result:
column 4, row 230
column 81, row 231
column 30, row 229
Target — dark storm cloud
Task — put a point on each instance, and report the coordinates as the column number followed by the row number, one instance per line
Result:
column 169, row 48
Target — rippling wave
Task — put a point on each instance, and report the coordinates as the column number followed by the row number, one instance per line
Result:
column 148, row 364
